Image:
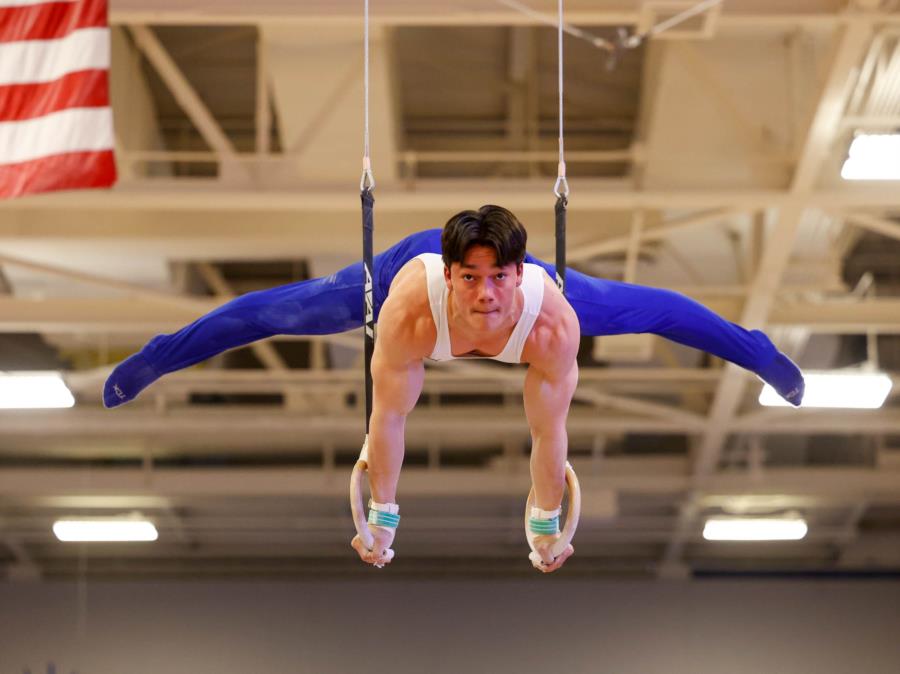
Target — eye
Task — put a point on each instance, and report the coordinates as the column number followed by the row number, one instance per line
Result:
column 501, row 276
column 467, row 277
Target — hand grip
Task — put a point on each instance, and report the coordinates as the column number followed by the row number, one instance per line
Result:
column 573, row 512
column 356, row 500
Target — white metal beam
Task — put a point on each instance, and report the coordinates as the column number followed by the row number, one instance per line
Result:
column 883, row 226
column 241, row 427
column 835, row 484
column 113, row 315
column 747, row 15
column 182, row 90
column 850, row 47
column 443, row 196
column 126, row 287
column 263, row 114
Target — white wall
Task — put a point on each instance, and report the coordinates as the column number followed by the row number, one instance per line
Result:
column 547, row 625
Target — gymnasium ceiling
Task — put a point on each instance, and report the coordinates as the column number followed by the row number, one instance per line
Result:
column 705, row 160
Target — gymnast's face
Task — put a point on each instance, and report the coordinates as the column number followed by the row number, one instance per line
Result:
column 483, row 293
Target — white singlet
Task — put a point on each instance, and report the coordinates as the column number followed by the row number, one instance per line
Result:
column 532, row 290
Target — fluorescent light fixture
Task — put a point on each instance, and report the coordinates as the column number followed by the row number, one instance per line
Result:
column 105, row 530
column 873, row 157
column 34, row 390
column 758, row 529
column 848, row 390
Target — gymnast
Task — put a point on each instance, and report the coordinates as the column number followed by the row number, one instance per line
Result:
column 467, row 291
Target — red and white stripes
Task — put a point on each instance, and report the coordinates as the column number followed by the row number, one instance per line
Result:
column 56, row 128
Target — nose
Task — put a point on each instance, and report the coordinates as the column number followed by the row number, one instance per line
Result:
column 485, row 292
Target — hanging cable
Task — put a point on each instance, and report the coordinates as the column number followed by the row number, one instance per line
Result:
column 366, row 185
column 367, row 181
column 561, row 188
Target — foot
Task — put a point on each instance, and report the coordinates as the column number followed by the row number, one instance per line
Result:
column 786, row 378
column 130, row 377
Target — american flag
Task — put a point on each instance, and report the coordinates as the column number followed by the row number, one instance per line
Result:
column 56, row 130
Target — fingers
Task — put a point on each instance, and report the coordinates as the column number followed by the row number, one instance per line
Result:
column 370, row 556
column 546, row 555
column 543, row 547
column 554, row 564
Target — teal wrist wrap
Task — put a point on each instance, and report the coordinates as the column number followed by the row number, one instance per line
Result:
column 544, row 527
column 383, row 519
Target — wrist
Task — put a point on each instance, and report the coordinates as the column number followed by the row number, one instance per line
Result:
column 544, row 522
column 541, row 514
column 384, row 515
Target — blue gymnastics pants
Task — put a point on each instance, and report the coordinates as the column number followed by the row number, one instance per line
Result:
column 334, row 304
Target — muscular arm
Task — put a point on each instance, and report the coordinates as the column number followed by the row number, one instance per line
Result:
column 397, row 374
column 547, row 399
column 398, row 371
column 397, row 383
column 549, row 385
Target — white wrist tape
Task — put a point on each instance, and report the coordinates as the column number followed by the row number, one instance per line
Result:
column 391, row 508
column 539, row 514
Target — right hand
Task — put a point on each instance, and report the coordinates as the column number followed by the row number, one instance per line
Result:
column 547, row 563
column 381, row 552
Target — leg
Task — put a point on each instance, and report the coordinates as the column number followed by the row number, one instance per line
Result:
column 613, row 308
column 321, row 306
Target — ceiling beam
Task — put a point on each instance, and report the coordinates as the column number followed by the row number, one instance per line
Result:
column 746, row 15
column 660, row 232
column 442, row 195
column 850, row 46
column 184, row 93
column 242, row 426
column 829, row 483
column 884, row 226
column 137, row 315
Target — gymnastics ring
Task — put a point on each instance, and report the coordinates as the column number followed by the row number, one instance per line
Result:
column 572, row 515
column 356, row 501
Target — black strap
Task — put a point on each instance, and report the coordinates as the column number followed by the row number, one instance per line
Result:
column 561, row 203
column 368, row 226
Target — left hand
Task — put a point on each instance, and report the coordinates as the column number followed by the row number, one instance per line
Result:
column 381, row 552
column 547, row 563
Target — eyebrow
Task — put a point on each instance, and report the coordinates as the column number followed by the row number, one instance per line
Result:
column 472, row 266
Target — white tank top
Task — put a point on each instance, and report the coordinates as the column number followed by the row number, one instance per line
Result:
column 532, row 289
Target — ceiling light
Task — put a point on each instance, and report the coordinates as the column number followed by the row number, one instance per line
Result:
column 34, row 390
column 873, row 157
column 849, row 390
column 105, row 530
column 755, row 529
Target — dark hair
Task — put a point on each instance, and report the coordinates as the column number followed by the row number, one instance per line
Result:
column 491, row 226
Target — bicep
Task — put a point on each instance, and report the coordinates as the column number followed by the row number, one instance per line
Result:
column 396, row 388
column 396, row 378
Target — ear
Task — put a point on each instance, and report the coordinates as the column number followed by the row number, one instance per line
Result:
column 520, row 268
column 447, row 277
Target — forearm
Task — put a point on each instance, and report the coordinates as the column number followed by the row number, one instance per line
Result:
column 386, row 448
column 548, row 468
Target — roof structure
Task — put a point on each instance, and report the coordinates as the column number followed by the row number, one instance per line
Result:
column 706, row 159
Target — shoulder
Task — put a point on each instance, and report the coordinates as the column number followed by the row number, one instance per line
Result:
column 405, row 325
column 553, row 342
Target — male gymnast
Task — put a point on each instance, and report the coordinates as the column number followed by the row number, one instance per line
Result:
column 467, row 291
